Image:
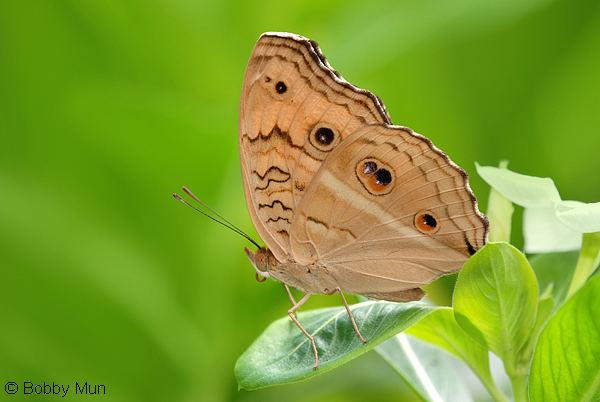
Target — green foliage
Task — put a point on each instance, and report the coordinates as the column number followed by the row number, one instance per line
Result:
column 566, row 365
column 497, row 293
column 495, row 301
column 588, row 259
column 554, row 271
column 545, row 308
column 497, row 307
column 282, row 354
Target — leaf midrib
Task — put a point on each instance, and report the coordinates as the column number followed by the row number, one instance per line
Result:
column 505, row 338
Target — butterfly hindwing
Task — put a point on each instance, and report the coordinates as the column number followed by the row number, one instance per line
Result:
column 386, row 213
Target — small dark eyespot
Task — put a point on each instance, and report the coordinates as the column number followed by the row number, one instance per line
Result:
column 267, row 79
column 369, row 167
column 324, row 135
column 280, row 87
column 429, row 221
column 383, row 177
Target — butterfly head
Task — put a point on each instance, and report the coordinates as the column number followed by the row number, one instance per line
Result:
column 261, row 260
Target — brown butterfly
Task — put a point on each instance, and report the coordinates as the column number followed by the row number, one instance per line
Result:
column 344, row 200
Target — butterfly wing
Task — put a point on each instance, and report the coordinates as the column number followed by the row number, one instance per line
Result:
column 386, row 213
column 295, row 109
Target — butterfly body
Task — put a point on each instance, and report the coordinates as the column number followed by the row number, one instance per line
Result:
column 307, row 278
column 343, row 199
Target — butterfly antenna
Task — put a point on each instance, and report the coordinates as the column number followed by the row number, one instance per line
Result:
column 199, row 201
column 224, row 221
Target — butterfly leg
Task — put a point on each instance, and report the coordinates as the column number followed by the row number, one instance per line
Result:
column 292, row 314
column 363, row 340
column 290, row 295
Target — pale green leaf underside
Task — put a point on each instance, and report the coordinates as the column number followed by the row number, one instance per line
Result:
column 429, row 371
column 545, row 233
column 440, row 328
column 282, row 354
column 579, row 216
column 499, row 213
column 549, row 224
column 566, row 363
column 527, row 191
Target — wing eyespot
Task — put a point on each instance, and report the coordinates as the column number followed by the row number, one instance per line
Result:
column 375, row 176
column 426, row 223
column 369, row 167
column 383, row 177
column 323, row 138
column 280, row 87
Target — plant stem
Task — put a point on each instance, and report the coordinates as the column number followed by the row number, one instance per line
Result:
column 519, row 386
column 587, row 262
column 495, row 393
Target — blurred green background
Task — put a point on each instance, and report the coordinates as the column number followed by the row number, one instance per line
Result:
column 106, row 107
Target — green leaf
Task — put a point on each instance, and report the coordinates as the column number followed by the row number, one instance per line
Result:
column 589, row 257
column 566, row 363
column 440, row 328
column 527, row 191
column 556, row 270
column 545, row 308
column 428, row 370
column 497, row 292
column 282, row 354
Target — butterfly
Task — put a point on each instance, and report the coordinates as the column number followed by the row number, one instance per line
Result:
column 344, row 200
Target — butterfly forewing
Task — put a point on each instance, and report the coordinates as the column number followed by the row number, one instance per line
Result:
column 295, row 110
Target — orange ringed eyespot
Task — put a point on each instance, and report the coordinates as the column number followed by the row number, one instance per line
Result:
column 425, row 222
